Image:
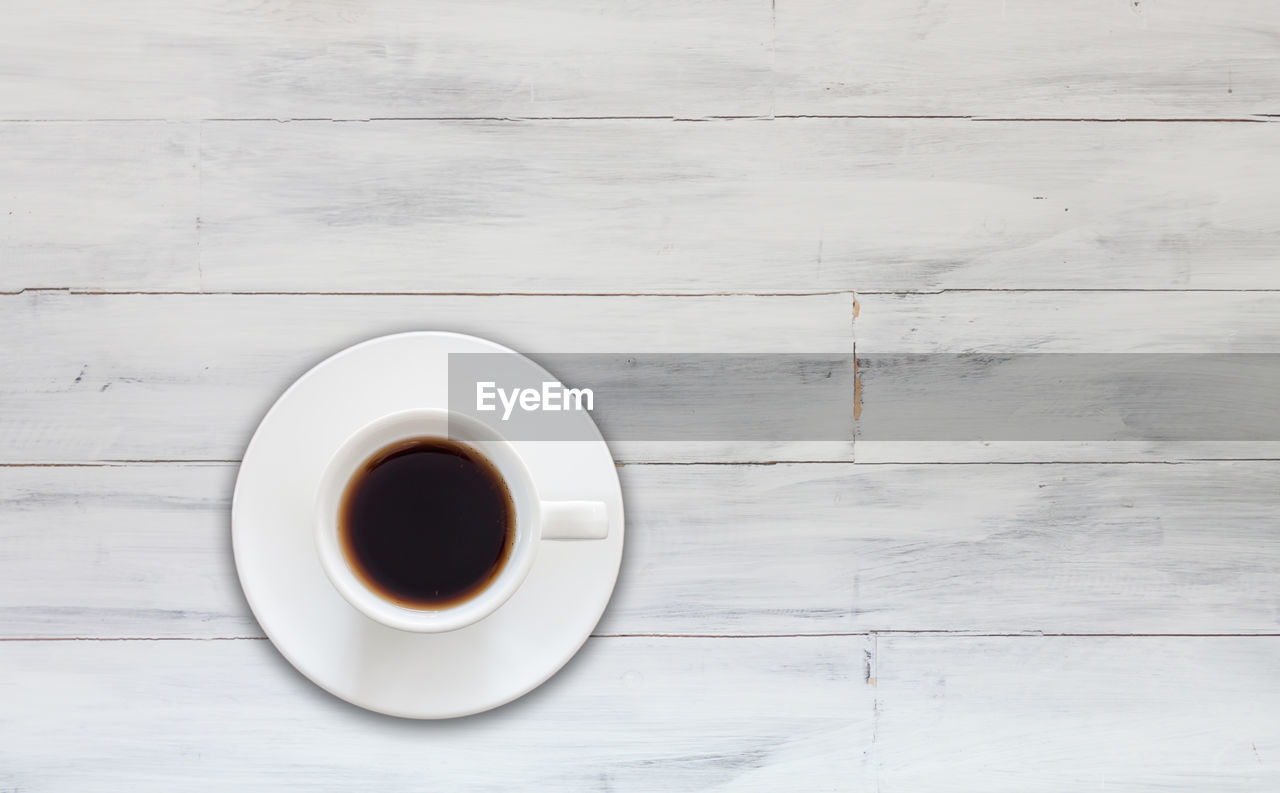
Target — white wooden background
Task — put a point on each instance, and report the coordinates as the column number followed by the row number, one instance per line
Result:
column 200, row 200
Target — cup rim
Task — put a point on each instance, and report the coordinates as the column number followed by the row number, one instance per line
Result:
column 367, row 441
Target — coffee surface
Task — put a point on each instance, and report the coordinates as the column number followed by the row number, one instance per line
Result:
column 427, row 523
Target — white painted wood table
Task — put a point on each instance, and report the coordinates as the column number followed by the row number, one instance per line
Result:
column 199, row 201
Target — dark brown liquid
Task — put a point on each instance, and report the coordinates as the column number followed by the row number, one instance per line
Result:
column 426, row 522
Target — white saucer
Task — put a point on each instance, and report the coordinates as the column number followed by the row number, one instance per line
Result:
column 413, row 675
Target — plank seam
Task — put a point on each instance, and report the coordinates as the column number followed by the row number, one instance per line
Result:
column 200, row 293
column 77, row 291
column 1257, row 118
column 632, row 463
column 958, row 634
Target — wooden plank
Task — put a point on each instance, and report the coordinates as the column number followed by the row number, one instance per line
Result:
column 385, row 58
column 626, row 714
column 782, row 206
column 144, row 550
column 1090, row 59
column 1101, row 322
column 1012, row 321
column 396, row 58
column 188, row 377
column 1076, row 713
column 119, row 551
column 640, row 206
column 98, row 205
column 1056, row 548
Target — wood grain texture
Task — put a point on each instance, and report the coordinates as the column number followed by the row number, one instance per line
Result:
column 144, row 550
column 98, row 205
column 395, row 58
column 1062, row 322
column 188, row 377
column 1090, row 59
column 905, row 713
column 119, row 551
column 1076, row 713
column 385, row 58
column 1189, row 548
column 1099, row 321
column 761, row 206
column 797, row 205
column 626, row 714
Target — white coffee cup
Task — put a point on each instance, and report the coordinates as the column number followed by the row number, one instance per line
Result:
column 535, row 519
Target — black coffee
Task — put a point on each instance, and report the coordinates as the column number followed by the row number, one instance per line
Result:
column 426, row 522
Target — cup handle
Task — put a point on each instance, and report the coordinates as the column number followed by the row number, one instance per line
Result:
column 574, row 520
